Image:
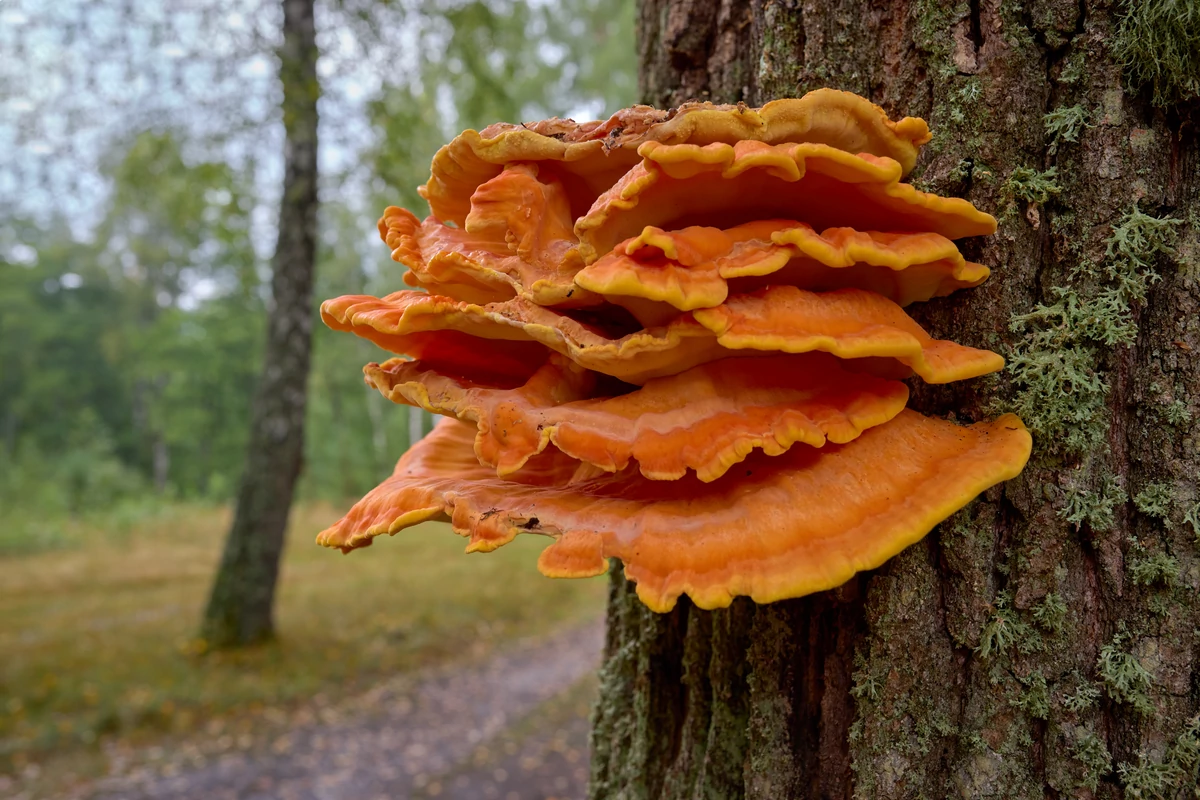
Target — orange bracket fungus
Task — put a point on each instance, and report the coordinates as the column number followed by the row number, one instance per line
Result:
column 678, row 339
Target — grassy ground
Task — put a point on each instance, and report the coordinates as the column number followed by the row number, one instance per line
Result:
column 95, row 635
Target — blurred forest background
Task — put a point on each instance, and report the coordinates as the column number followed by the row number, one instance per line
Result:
column 140, row 170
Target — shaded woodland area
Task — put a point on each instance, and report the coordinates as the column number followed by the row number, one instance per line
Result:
column 136, row 226
column 142, row 162
column 1043, row 642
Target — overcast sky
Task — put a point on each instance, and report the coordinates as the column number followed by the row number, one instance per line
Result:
column 76, row 76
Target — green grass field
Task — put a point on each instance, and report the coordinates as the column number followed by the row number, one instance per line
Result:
column 97, row 635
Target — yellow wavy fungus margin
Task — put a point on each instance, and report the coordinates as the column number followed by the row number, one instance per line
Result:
column 706, row 419
column 757, row 533
column 849, row 323
column 590, row 157
column 698, row 267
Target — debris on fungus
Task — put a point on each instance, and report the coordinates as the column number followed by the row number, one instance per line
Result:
column 677, row 339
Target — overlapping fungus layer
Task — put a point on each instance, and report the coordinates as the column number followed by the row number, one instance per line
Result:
column 677, row 339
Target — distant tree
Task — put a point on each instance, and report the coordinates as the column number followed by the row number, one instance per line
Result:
column 354, row 434
column 240, row 606
column 131, row 316
column 129, row 355
column 174, row 231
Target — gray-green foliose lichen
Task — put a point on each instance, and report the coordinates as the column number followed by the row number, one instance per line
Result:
column 1056, row 365
column 1157, row 43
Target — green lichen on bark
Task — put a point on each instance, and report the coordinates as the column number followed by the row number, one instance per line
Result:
column 1154, row 500
column 1177, row 413
column 1000, row 657
column 1051, row 614
column 958, row 113
column 780, row 73
column 1084, row 697
column 1124, row 677
column 1191, row 518
column 1008, row 630
column 637, row 668
column 1064, row 125
column 1093, row 507
column 1061, row 394
column 931, row 21
column 1158, row 44
column 1132, row 250
column 1154, row 569
column 1035, row 700
column 1057, row 364
column 1090, row 751
column 1177, row 771
column 1031, row 186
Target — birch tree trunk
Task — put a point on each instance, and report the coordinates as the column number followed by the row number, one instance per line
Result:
column 240, row 607
column 416, row 425
column 1043, row 642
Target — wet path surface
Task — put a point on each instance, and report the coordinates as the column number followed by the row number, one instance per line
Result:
column 512, row 727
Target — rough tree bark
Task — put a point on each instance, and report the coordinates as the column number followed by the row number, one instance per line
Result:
column 1043, row 642
column 240, row 606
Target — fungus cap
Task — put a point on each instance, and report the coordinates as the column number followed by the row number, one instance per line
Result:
column 706, row 419
column 681, row 185
column 699, row 267
column 848, row 323
column 590, row 157
column 769, row 530
column 517, row 240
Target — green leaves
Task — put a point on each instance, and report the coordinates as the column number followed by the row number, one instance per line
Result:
column 132, row 357
column 130, row 346
column 482, row 62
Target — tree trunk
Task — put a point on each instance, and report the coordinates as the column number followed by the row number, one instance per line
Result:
column 416, row 425
column 240, row 607
column 161, row 462
column 1043, row 642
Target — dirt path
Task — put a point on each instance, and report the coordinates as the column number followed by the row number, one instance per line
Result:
column 508, row 728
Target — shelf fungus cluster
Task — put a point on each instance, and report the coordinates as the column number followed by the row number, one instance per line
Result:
column 677, row 339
